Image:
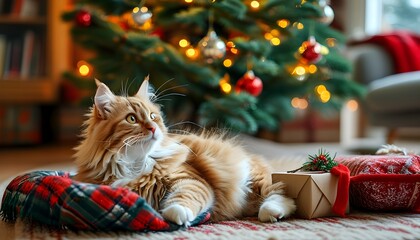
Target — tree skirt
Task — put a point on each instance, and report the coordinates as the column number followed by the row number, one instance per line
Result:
column 357, row 226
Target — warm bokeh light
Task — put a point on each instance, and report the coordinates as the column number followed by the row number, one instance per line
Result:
column 234, row 50
column 136, row 10
column 295, row 102
column 147, row 25
column 324, row 50
column 323, row 93
column 191, row 53
column 325, row 96
column 331, row 42
column 188, row 1
column 300, row 103
column 275, row 41
column 302, row 48
column 268, row 36
column 283, row 23
column 353, row 105
column 275, row 32
column 144, row 9
column 299, row 70
column 298, row 25
column 225, row 85
column 320, row 89
column 255, row 4
column 312, row 69
column 183, row 43
column 84, row 70
column 227, row 62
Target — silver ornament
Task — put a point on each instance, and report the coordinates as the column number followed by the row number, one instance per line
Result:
column 140, row 17
column 327, row 12
column 327, row 15
column 211, row 47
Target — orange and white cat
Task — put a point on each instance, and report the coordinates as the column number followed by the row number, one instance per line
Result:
column 126, row 143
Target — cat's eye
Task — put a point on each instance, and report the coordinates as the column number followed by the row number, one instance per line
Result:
column 131, row 118
column 152, row 116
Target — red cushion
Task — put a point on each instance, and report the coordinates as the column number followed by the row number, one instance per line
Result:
column 384, row 182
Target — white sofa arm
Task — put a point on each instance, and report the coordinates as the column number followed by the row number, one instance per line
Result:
column 395, row 93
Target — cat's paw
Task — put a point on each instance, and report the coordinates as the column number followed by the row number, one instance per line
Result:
column 178, row 214
column 276, row 207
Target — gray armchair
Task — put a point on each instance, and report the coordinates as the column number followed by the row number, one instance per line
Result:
column 392, row 100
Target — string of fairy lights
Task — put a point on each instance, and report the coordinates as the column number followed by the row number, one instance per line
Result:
column 211, row 48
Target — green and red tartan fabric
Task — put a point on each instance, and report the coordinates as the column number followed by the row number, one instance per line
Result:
column 53, row 198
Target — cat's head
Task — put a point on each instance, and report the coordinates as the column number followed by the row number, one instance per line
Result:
column 122, row 137
column 127, row 121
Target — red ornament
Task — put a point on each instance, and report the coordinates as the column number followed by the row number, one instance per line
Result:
column 124, row 25
column 312, row 51
column 250, row 83
column 158, row 32
column 83, row 18
column 70, row 92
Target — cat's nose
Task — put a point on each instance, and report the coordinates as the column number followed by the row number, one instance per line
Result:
column 150, row 126
column 152, row 129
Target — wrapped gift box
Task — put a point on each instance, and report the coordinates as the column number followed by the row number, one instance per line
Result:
column 313, row 192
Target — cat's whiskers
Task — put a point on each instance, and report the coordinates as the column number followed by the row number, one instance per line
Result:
column 185, row 122
column 161, row 98
column 124, row 88
column 166, row 82
column 129, row 140
column 169, row 89
column 159, row 94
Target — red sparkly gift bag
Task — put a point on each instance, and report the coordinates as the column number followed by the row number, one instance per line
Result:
column 384, row 182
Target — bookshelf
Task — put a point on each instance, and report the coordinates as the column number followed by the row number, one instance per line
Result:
column 34, row 52
column 36, row 42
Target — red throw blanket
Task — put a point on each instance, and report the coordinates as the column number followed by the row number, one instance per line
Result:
column 403, row 46
column 54, row 199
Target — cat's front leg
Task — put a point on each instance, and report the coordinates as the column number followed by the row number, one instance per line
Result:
column 187, row 198
column 178, row 214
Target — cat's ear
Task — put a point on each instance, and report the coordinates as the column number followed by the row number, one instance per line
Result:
column 144, row 90
column 103, row 99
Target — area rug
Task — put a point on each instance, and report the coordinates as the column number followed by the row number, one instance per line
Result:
column 358, row 225
column 364, row 226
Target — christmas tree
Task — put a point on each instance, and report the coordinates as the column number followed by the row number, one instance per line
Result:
column 239, row 64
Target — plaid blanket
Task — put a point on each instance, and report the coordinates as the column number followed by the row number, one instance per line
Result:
column 53, row 198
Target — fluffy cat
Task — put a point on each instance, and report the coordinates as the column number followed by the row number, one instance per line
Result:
column 126, row 143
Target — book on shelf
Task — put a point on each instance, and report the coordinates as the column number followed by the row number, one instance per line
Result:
column 21, row 8
column 22, row 58
column 30, row 8
column 3, row 49
column 6, row 60
column 13, row 70
column 16, row 7
column 27, row 55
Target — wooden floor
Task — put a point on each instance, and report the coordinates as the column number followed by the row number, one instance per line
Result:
column 17, row 160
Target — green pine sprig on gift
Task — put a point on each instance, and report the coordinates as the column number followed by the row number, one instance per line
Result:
column 318, row 162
